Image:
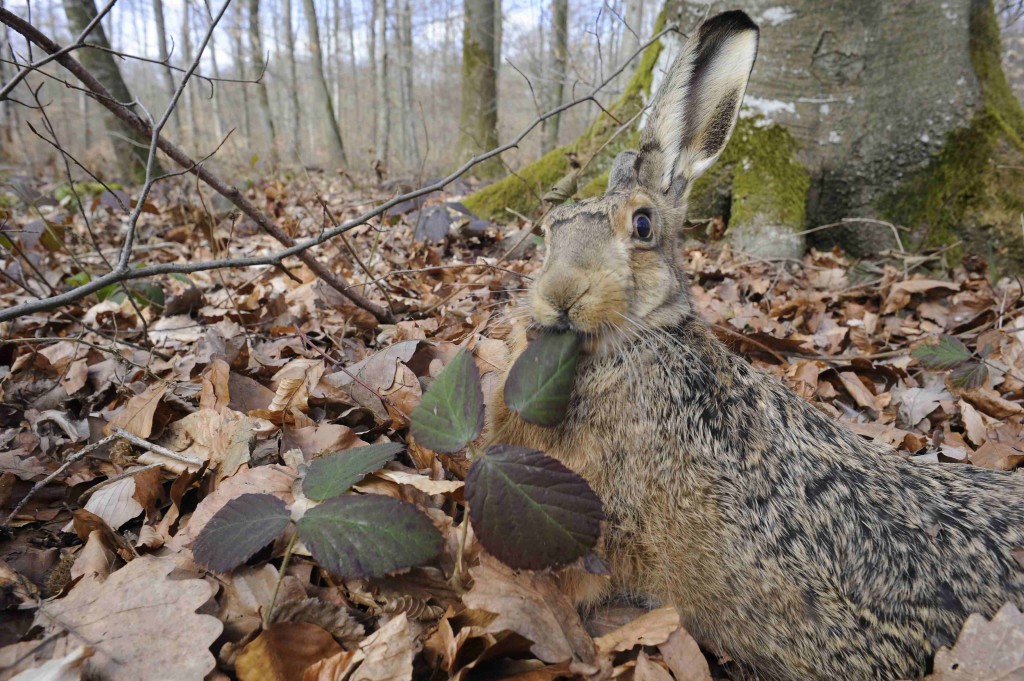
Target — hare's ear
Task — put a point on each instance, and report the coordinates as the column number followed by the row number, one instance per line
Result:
column 696, row 107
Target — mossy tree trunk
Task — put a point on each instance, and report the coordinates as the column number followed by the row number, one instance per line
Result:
column 858, row 109
column 478, row 121
column 130, row 149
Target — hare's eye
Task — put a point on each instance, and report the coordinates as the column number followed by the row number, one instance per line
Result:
column 642, row 227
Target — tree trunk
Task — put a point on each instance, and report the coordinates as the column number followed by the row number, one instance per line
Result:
column 382, row 124
column 350, row 26
column 556, row 72
column 189, row 94
column 166, row 74
column 258, row 64
column 410, row 148
column 218, row 115
column 130, row 150
column 335, row 147
column 243, row 72
column 478, row 122
column 295, row 113
column 874, row 110
column 7, row 112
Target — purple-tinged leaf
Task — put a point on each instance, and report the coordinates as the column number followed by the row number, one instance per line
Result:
column 529, row 510
column 969, row 375
column 239, row 529
column 333, row 474
column 949, row 352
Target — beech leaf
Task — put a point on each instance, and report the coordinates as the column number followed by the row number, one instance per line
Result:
column 333, row 474
column 238, row 530
column 451, row 414
column 540, row 382
column 529, row 511
column 368, row 536
column 949, row 352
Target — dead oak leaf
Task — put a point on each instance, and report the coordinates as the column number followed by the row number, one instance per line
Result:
column 531, row 605
column 985, row 649
column 650, row 629
column 141, row 624
column 683, row 656
column 284, row 652
column 137, row 415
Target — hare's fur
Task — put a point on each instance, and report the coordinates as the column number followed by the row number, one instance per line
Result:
column 785, row 540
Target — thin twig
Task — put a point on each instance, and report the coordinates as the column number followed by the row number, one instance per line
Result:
column 157, row 449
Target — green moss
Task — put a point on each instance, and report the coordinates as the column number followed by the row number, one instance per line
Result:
column 596, row 187
column 522, row 191
column 972, row 193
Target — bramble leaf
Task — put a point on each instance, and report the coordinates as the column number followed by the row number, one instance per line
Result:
column 969, row 375
column 529, row 510
column 333, row 474
column 540, row 382
column 238, row 530
column 949, row 352
column 368, row 536
column 451, row 414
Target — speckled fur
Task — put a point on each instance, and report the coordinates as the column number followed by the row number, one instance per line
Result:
column 784, row 539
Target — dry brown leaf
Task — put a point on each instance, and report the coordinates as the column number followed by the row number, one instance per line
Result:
column 974, row 423
column 998, row 456
column 531, row 605
column 859, row 392
column 682, row 655
column 95, row 558
column 388, row 653
column 320, row 439
column 647, row 670
column 137, row 415
column 247, row 592
column 142, row 624
column 215, row 392
column 334, row 668
column 992, row 403
column 650, row 629
column 422, row 482
column 67, row 668
column 284, row 651
column 223, row 438
column 985, row 650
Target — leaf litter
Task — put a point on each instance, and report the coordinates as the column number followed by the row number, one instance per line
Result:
column 261, row 374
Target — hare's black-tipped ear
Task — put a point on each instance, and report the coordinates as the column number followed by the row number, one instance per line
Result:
column 696, row 107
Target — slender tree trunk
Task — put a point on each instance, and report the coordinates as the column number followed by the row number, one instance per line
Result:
column 166, row 73
column 499, row 26
column 187, row 53
column 243, row 72
column 382, row 124
column 258, row 57
column 215, row 95
column 350, row 26
column 335, row 147
column 295, row 113
column 556, row 85
column 410, row 149
column 130, row 150
column 6, row 107
column 478, row 122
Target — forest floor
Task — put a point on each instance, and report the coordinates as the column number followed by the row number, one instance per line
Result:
column 256, row 372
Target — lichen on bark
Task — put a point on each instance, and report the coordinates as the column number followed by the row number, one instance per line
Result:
column 970, row 198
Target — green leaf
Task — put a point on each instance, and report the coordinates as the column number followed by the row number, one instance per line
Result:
column 333, row 474
column 80, row 279
column 239, row 529
column 969, row 375
column 451, row 413
column 368, row 536
column 529, row 510
column 540, row 382
column 946, row 354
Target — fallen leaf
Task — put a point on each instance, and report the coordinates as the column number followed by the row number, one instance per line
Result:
column 998, row 456
column 388, row 653
column 142, row 624
column 992, row 403
column 650, row 629
column 137, row 415
column 67, row 668
column 985, row 650
column 646, row 670
column 284, row 651
column 682, row 655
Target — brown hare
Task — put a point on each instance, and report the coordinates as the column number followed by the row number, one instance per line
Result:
column 784, row 539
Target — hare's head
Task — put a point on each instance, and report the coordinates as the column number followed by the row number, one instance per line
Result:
column 613, row 260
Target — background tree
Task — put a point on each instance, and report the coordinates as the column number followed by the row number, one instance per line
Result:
column 406, row 78
column 379, row 48
column 258, row 61
column 478, row 121
column 321, row 95
column 163, row 54
column 294, row 111
column 557, row 55
column 130, row 150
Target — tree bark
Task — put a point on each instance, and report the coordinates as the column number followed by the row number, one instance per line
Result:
column 243, row 72
column 410, row 148
column 295, row 113
column 189, row 93
column 335, row 147
column 875, row 110
column 166, row 73
column 478, row 121
column 258, row 57
column 557, row 53
column 382, row 124
column 130, row 150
